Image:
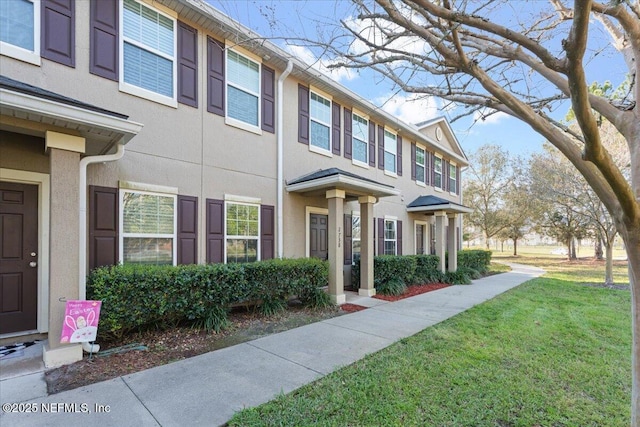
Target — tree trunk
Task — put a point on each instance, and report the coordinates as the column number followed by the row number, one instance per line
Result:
column 631, row 239
column 573, row 255
column 608, row 269
column 598, row 247
column 502, row 246
column 515, row 247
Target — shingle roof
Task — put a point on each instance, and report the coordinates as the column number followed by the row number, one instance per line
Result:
column 16, row 86
column 426, row 201
column 323, row 173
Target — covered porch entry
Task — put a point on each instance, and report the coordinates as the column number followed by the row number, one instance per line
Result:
column 338, row 187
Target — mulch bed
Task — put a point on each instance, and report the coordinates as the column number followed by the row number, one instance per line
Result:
column 412, row 291
column 351, row 308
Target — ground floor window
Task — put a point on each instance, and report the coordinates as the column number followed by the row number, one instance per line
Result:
column 148, row 224
column 242, row 232
column 390, row 237
column 355, row 237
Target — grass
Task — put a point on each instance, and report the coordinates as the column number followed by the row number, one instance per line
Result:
column 551, row 352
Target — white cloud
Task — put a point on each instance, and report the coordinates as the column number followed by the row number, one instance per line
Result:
column 487, row 116
column 306, row 55
column 410, row 108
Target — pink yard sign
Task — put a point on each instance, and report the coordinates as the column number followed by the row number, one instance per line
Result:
column 80, row 321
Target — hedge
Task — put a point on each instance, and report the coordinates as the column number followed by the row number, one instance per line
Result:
column 139, row 297
column 476, row 259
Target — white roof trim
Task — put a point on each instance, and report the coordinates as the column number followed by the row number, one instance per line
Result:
column 442, row 207
column 449, row 128
column 338, row 179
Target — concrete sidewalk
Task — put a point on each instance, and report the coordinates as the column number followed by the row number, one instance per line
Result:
column 208, row 389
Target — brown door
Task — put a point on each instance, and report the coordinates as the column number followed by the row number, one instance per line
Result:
column 420, row 239
column 18, row 257
column 318, row 238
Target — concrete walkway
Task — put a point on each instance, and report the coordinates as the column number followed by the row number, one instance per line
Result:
column 207, row 390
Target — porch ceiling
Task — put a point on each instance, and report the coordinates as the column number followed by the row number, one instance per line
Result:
column 317, row 183
column 32, row 110
column 431, row 204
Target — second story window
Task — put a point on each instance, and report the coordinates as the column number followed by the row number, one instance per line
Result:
column 390, row 147
column 360, row 148
column 148, row 53
column 420, row 164
column 437, row 172
column 20, row 29
column 243, row 89
column 320, row 122
column 452, row 179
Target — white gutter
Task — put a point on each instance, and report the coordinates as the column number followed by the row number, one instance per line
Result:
column 280, row 138
column 86, row 161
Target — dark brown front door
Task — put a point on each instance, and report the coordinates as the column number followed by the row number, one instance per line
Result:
column 18, row 257
column 318, row 238
column 420, row 239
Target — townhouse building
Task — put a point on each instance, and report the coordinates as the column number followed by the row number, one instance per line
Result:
column 163, row 132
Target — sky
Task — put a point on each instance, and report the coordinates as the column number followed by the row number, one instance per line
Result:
column 314, row 19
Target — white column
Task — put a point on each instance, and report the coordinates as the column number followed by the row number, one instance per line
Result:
column 452, row 246
column 366, row 246
column 336, row 248
column 440, row 239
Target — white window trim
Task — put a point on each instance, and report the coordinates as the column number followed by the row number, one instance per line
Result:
column 394, row 172
column 441, row 173
column 122, row 234
column 22, row 54
column 424, row 165
column 395, row 228
column 455, row 165
column 227, row 202
column 138, row 91
column 355, row 162
column 315, row 148
column 230, row 120
column 308, row 211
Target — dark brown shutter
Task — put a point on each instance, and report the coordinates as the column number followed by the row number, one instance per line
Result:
column 399, row 238
column 380, row 236
column 58, row 35
column 433, row 169
column 348, row 134
column 103, row 226
column 268, row 100
column 372, row 144
column 380, row 147
column 413, row 161
column 458, row 180
column 187, row 230
column 348, row 238
column 427, row 167
column 303, row 114
column 103, row 39
column 375, row 247
column 215, row 76
column 267, row 232
column 187, row 65
column 399, row 156
column 335, row 128
column 215, row 230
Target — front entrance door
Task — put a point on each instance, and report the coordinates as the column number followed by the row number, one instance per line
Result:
column 318, row 237
column 18, row 257
column 420, row 239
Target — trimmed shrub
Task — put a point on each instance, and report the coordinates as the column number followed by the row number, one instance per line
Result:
column 477, row 259
column 471, row 272
column 426, row 269
column 456, row 278
column 136, row 297
column 393, row 286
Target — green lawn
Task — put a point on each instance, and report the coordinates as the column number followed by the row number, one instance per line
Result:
column 548, row 353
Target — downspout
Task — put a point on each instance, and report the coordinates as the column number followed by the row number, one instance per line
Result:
column 86, row 161
column 280, row 138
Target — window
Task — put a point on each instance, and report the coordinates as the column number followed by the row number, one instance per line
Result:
column 320, row 122
column 243, row 89
column 452, row 178
column 389, row 236
column 355, row 238
column 242, row 232
column 360, row 146
column 20, row 29
column 148, row 224
column 420, row 165
column 390, row 147
column 148, row 53
column 437, row 172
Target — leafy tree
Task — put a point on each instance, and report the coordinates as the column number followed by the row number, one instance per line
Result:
column 492, row 58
